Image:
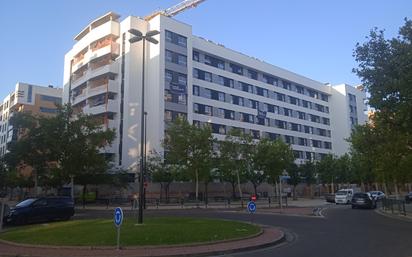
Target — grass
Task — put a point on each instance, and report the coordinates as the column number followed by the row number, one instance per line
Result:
column 154, row 231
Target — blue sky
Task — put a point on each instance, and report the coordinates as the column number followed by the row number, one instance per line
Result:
column 314, row 38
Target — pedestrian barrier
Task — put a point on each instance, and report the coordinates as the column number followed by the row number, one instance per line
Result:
column 396, row 206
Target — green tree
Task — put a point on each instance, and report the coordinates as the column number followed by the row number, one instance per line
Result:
column 385, row 70
column 235, row 161
column 294, row 171
column 308, row 171
column 326, row 169
column 191, row 148
column 273, row 157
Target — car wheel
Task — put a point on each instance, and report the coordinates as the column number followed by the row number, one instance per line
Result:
column 67, row 217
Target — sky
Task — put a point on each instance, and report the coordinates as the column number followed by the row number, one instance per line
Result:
column 313, row 38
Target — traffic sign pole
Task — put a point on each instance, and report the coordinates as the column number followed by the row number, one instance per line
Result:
column 118, row 220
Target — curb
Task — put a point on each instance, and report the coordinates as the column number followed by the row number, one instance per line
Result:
column 393, row 216
column 175, row 250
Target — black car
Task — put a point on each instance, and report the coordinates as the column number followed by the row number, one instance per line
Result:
column 408, row 197
column 363, row 200
column 41, row 209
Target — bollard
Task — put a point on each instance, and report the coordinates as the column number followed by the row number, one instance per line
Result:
column 181, row 203
column 228, row 202
column 269, row 201
column 157, row 203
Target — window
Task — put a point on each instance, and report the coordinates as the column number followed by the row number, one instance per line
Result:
column 247, row 87
column 281, row 97
column 327, row 145
column 270, row 80
column 280, row 124
column 313, row 94
column 229, row 114
column 307, row 129
column 252, row 74
column 47, row 110
column 325, row 121
column 168, row 76
column 293, row 100
column 215, row 62
column 295, row 127
column 302, row 141
column 324, row 97
column 237, row 100
column 262, row 91
column 196, row 90
column 316, row 143
column 300, row 89
column 181, row 60
column 56, row 100
column 225, row 81
column 302, row 115
column 286, row 85
column 169, row 56
column 176, row 39
column 168, row 115
column 203, row 75
column 236, row 69
column 289, row 140
column 196, row 56
column 287, row 112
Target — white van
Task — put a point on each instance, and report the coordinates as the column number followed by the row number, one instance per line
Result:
column 344, row 196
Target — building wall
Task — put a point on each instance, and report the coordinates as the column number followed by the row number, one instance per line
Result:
column 315, row 116
column 38, row 100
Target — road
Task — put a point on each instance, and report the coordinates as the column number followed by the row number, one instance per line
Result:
column 343, row 232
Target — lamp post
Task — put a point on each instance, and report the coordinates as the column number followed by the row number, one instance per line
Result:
column 137, row 36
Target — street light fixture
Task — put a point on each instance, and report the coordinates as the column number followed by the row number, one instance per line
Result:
column 138, row 36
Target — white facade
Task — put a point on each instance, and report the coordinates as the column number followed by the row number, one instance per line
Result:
column 39, row 100
column 220, row 86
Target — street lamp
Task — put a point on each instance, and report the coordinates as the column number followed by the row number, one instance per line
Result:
column 137, row 37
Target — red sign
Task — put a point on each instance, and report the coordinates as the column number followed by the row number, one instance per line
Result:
column 145, row 184
column 253, row 197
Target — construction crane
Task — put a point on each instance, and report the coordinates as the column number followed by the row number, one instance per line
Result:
column 172, row 11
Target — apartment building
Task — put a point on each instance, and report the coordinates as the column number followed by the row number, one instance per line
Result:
column 38, row 100
column 188, row 76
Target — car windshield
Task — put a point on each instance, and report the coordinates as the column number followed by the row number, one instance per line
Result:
column 342, row 193
column 26, row 203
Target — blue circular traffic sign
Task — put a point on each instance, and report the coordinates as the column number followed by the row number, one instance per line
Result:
column 118, row 216
column 251, row 207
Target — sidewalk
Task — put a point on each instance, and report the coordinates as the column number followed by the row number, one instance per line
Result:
column 269, row 237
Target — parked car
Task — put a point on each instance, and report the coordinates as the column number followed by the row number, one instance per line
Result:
column 377, row 195
column 408, row 197
column 330, row 198
column 41, row 209
column 363, row 200
column 344, row 196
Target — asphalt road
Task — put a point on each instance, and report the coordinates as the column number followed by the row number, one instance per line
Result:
column 343, row 232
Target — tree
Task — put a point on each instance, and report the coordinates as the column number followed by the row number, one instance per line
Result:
column 294, row 171
column 326, row 169
column 385, row 70
column 61, row 146
column 191, row 148
column 234, row 155
column 308, row 171
column 273, row 157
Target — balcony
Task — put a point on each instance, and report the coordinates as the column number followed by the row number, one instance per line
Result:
column 95, row 108
column 109, row 67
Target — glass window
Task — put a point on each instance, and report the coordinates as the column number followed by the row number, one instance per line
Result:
column 196, row 90
column 181, row 60
column 169, row 56
column 196, row 56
